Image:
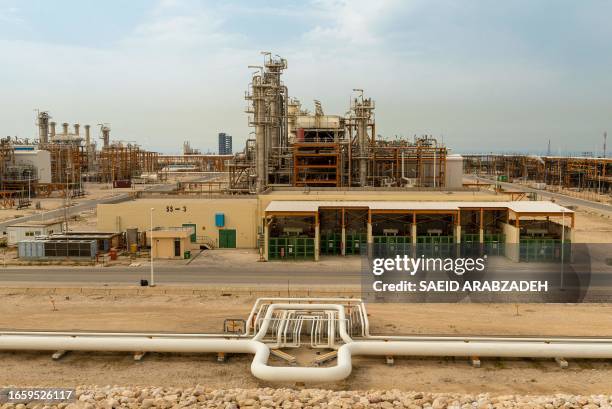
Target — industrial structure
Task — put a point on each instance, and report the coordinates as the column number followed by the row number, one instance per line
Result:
column 62, row 161
column 292, row 147
column 588, row 173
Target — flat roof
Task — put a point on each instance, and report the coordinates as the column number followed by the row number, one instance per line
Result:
column 311, row 206
column 37, row 223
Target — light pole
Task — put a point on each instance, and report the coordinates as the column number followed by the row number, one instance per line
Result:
column 562, row 248
column 152, row 282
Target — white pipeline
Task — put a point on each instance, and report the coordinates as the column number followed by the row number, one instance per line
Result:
column 371, row 346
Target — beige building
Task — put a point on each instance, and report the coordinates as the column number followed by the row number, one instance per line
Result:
column 237, row 230
column 298, row 224
column 29, row 230
column 170, row 242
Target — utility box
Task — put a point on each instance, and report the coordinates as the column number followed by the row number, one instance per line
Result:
column 220, row 219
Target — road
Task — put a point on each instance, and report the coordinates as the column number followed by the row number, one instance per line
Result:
column 180, row 274
column 561, row 199
column 71, row 211
column 81, row 206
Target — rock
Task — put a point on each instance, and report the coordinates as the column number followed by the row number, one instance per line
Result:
column 147, row 403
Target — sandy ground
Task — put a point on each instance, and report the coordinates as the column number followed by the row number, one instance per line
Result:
column 178, row 313
column 93, row 191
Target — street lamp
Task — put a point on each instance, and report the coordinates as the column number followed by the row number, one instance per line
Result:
column 562, row 249
column 152, row 282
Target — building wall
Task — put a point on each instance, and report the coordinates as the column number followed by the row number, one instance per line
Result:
column 40, row 159
column 163, row 247
column 18, row 233
column 240, row 214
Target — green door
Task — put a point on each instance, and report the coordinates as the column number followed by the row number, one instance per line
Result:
column 193, row 237
column 227, row 239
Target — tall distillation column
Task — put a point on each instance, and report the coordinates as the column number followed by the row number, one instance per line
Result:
column 43, row 127
column 362, row 111
column 268, row 107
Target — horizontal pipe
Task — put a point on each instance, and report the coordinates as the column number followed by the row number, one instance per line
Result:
column 520, row 347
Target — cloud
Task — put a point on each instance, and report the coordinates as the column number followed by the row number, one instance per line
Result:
column 180, row 24
column 357, row 22
column 10, row 15
column 177, row 70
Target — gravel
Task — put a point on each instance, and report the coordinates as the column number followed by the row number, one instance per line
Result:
column 90, row 397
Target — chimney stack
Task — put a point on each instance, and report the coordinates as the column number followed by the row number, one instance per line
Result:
column 65, row 128
column 52, row 130
column 87, row 141
column 77, row 129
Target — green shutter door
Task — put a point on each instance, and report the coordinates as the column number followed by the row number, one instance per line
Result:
column 227, row 239
column 193, row 237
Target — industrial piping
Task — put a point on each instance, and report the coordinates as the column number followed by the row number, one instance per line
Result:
column 372, row 346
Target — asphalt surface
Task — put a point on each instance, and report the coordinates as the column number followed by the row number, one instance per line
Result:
column 70, row 211
column 81, row 206
column 559, row 198
column 181, row 274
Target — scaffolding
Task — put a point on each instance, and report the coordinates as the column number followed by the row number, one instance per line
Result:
column 566, row 172
column 125, row 162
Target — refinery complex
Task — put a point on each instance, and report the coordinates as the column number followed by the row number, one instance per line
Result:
column 251, row 267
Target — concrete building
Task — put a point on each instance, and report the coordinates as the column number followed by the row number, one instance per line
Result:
column 295, row 224
column 200, row 215
column 170, row 243
column 225, row 144
column 31, row 229
column 40, row 160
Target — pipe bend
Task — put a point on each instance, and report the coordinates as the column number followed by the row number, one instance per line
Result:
column 261, row 370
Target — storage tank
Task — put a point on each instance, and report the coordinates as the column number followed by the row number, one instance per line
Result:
column 454, row 171
column 131, row 234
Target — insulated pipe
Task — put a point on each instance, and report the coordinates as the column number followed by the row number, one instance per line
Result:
column 408, row 346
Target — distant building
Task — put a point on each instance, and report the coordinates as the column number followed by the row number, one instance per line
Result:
column 225, row 144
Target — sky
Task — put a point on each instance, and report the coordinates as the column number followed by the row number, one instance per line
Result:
column 483, row 76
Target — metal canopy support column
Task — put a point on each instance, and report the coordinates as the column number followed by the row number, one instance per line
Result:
column 343, row 239
column 457, row 217
column 266, row 237
column 370, row 239
column 317, row 242
column 413, row 232
column 481, row 229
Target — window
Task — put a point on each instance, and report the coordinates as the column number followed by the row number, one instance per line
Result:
column 29, row 234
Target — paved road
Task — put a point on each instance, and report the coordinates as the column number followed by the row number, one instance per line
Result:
column 252, row 274
column 71, row 211
column 81, row 206
column 562, row 199
column 180, row 274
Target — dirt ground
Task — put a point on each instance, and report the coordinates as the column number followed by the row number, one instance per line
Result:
column 182, row 313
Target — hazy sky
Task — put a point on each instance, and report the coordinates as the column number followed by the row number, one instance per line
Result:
column 484, row 75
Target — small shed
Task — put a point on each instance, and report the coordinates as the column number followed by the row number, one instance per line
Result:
column 31, row 229
column 170, row 242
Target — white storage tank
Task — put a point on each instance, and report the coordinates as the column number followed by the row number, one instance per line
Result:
column 454, row 171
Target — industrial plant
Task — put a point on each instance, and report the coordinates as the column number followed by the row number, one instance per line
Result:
column 305, row 185
column 292, row 220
